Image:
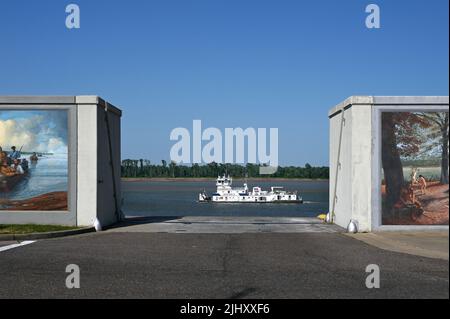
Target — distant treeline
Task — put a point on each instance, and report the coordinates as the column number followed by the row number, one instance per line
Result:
column 144, row 168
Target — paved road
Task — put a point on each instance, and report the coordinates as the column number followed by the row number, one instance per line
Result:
column 260, row 265
column 432, row 244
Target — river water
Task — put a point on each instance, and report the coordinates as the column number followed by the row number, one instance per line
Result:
column 179, row 198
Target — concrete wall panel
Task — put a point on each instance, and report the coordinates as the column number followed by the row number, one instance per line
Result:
column 92, row 162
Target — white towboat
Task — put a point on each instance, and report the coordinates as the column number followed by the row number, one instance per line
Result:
column 227, row 194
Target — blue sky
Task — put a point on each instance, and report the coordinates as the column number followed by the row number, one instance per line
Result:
column 229, row 63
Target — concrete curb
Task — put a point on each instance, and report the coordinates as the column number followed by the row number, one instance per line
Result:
column 55, row 234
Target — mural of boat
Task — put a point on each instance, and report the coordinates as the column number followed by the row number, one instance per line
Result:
column 8, row 183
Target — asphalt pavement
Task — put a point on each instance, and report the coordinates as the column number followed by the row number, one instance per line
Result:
column 253, row 265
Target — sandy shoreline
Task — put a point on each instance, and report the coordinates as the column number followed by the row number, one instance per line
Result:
column 210, row 179
column 56, row 201
column 434, row 203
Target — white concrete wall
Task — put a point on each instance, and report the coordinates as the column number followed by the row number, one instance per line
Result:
column 96, row 184
column 361, row 166
column 108, row 182
column 343, row 205
column 91, row 179
column 87, row 164
column 359, row 176
column 354, row 177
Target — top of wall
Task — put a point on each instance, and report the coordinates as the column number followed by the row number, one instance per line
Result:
column 387, row 100
column 79, row 99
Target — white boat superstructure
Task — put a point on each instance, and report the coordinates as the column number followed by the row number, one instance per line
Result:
column 225, row 193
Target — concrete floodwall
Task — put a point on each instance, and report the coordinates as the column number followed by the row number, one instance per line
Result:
column 75, row 178
column 356, row 172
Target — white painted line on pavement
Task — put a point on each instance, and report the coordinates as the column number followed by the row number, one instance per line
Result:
column 24, row 243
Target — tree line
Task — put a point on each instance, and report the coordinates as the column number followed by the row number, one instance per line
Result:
column 143, row 168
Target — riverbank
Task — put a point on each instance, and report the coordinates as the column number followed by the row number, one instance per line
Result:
column 55, row 201
column 433, row 203
column 209, row 179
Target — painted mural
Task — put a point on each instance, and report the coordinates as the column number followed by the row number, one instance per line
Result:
column 415, row 186
column 34, row 160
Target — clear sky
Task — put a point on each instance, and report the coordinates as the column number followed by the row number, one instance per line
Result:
column 229, row 63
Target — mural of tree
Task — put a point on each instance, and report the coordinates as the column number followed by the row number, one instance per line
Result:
column 438, row 138
column 415, row 141
column 401, row 138
column 409, row 128
column 392, row 165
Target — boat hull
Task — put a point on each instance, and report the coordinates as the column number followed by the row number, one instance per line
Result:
column 227, row 194
column 299, row 201
column 8, row 183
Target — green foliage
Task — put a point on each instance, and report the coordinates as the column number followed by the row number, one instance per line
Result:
column 32, row 228
column 144, row 169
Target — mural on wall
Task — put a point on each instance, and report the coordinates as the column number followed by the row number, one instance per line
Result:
column 33, row 160
column 415, row 187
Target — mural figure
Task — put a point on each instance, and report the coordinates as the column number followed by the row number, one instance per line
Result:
column 33, row 160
